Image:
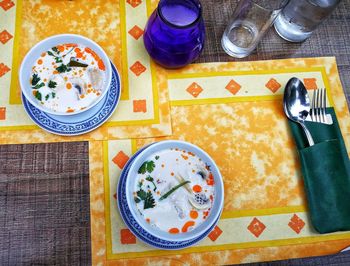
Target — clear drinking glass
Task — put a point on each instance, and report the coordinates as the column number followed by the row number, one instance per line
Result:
column 249, row 23
column 300, row 18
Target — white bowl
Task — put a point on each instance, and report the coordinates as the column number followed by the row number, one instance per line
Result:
column 45, row 45
column 216, row 208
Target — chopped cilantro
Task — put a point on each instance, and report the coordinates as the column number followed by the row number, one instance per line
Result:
column 55, row 50
column 141, row 194
column 147, row 166
column 150, row 179
column 53, row 95
column 35, row 79
column 58, row 60
column 47, row 97
column 52, row 84
column 38, row 86
column 149, row 201
column 157, row 157
column 63, row 68
column 147, row 197
column 38, row 95
column 137, row 200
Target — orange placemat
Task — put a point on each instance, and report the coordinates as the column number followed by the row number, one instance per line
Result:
column 236, row 111
column 118, row 27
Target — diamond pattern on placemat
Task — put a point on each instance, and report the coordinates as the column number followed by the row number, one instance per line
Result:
column 310, row 83
column 2, row 113
column 256, row 227
column 127, row 237
column 6, row 4
column 3, row 69
column 233, row 87
column 120, row 159
column 137, row 68
column 5, row 36
column 213, row 235
column 136, row 32
column 273, row 85
column 194, row 89
column 139, row 106
column 134, row 3
column 296, row 224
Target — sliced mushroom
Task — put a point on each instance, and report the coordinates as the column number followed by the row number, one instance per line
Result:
column 96, row 78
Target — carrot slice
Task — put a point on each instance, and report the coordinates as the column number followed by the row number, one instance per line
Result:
column 197, row 188
column 101, row 65
column 194, row 214
column 174, row 230
column 187, row 225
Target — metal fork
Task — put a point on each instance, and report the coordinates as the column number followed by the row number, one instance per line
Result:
column 318, row 106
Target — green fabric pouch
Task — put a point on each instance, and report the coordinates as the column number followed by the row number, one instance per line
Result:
column 326, row 171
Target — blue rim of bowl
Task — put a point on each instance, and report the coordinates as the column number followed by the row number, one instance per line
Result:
column 59, row 125
column 137, row 229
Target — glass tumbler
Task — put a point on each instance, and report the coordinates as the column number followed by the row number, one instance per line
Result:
column 248, row 25
column 174, row 34
column 300, row 18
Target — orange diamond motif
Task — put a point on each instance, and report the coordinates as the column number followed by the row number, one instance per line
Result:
column 136, row 32
column 6, row 4
column 3, row 69
column 139, row 106
column 310, row 83
column 213, row 235
column 256, row 227
column 134, row 3
column 5, row 36
column 126, row 237
column 137, row 68
column 194, row 89
column 233, row 87
column 273, row 85
column 120, row 159
column 296, row 223
column 2, row 113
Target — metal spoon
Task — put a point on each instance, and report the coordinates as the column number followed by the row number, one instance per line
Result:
column 296, row 105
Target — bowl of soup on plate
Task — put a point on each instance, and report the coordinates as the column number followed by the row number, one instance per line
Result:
column 65, row 74
column 174, row 190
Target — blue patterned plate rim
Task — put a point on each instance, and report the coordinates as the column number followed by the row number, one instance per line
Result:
column 80, row 123
column 132, row 224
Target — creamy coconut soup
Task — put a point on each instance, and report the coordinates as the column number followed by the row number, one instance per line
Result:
column 67, row 78
column 174, row 191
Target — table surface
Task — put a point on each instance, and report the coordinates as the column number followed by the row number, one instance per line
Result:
column 44, row 188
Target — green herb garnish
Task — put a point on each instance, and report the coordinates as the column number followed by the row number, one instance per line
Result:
column 137, row 200
column 147, row 197
column 149, row 201
column 38, row 86
column 141, row 194
column 63, row 68
column 35, row 79
column 47, row 97
column 150, row 179
column 55, row 49
column 52, row 84
column 38, row 95
column 53, row 95
column 157, row 157
column 173, row 189
column 147, row 166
